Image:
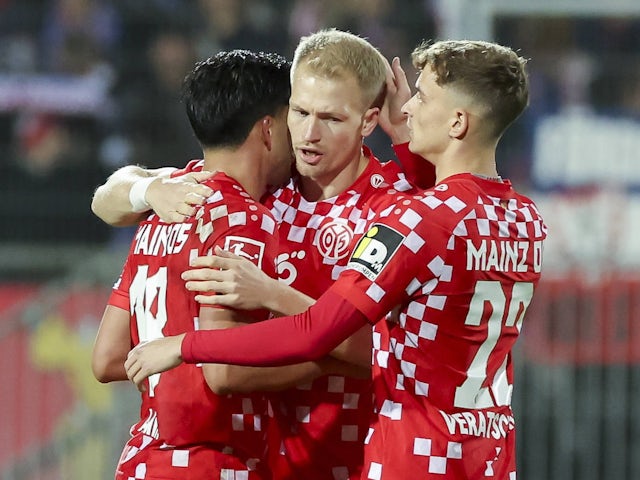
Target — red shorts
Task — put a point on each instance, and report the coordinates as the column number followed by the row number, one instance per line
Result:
column 143, row 458
column 465, row 449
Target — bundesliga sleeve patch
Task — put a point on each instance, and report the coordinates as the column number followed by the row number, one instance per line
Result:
column 245, row 247
column 374, row 250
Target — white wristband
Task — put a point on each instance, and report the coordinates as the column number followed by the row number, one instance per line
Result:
column 137, row 195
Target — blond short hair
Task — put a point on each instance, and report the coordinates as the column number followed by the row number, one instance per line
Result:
column 335, row 54
column 492, row 74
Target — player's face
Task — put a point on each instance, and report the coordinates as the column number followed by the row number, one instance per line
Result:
column 429, row 115
column 327, row 120
column 282, row 154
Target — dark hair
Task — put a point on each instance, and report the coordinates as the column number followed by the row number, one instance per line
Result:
column 493, row 75
column 228, row 93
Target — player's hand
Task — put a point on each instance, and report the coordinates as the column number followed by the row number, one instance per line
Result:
column 236, row 281
column 392, row 120
column 152, row 357
column 175, row 199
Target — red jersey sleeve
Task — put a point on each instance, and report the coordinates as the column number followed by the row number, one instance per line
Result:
column 192, row 166
column 251, row 235
column 120, row 291
column 281, row 341
column 419, row 172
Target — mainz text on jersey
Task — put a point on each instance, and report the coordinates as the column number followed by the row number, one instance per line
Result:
column 503, row 256
column 162, row 239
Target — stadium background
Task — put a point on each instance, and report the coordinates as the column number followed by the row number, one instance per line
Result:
column 89, row 85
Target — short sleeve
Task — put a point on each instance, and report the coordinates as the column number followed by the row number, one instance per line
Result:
column 251, row 235
column 120, row 291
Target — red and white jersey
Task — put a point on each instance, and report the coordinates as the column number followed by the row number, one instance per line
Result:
column 323, row 424
column 203, row 432
column 462, row 261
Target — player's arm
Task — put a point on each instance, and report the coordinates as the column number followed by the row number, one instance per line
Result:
column 131, row 192
column 356, row 350
column 111, row 202
column 225, row 379
column 238, row 283
column 304, row 337
column 392, row 121
column 418, row 171
column 111, row 346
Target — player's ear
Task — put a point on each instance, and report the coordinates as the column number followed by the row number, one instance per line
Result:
column 370, row 121
column 266, row 130
column 459, row 124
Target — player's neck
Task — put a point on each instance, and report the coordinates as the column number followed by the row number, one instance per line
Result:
column 479, row 162
column 239, row 164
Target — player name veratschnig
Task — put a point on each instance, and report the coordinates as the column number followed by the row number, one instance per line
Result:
column 479, row 424
column 503, row 255
column 161, row 239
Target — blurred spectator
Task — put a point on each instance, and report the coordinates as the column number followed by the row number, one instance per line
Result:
column 250, row 24
column 308, row 16
column 54, row 101
column 67, row 21
column 46, row 188
column 43, row 144
column 574, row 80
column 20, row 23
column 153, row 128
column 395, row 28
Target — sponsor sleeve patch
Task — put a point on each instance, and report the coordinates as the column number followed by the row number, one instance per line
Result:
column 374, row 250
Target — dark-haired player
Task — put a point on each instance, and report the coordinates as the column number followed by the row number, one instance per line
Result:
column 237, row 105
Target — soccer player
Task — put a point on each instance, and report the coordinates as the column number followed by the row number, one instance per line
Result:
column 338, row 86
column 461, row 259
column 237, row 105
column 338, row 89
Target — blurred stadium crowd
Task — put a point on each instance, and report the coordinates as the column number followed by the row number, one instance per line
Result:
column 89, row 85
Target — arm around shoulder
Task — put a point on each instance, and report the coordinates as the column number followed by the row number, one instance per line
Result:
column 111, row 200
column 225, row 379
